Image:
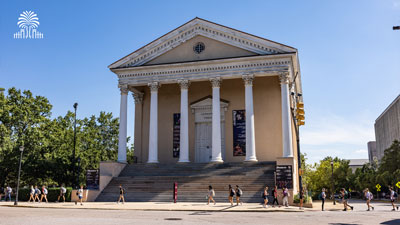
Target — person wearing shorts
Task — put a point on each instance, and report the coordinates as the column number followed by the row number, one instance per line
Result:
column 393, row 199
column 80, row 194
column 63, row 191
column 265, row 196
column 231, row 194
column 211, row 195
column 32, row 195
column 239, row 193
column 368, row 196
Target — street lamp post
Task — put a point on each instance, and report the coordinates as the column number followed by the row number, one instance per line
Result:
column 79, row 171
column 73, row 154
column 333, row 185
column 21, row 149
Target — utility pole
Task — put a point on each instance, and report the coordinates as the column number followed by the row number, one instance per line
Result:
column 73, row 154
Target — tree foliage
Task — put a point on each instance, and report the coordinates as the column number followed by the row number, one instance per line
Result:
column 387, row 173
column 25, row 120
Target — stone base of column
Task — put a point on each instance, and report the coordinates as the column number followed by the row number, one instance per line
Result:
column 152, row 161
column 183, row 161
column 253, row 159
column 217, row 161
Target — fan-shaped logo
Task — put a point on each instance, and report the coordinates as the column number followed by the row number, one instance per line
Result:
column 28, row 23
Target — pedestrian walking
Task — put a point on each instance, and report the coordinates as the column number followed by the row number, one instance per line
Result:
column 345, row 196
column 275, row 195
column 210, row 195
column 265, row 196
column 393, row 198
column 32, row 194
column 44, row 194
column 80, row 195
column 301, row 197
column 239, row 193
column 63, row 191
column 323, row 197
column 368, row 196
column 231, row 194
column 121, row 194
column 8, row 193
column 285, row 197
column 1, row 192
column 37, row 193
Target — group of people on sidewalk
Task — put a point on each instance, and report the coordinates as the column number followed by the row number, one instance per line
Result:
column 345, row 195
column 275, row 194
column 35, row 192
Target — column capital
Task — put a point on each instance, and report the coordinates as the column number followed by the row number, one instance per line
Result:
column 216, row 82
column 124, row 89
column 284, row 77
column 154, row 86
column 138, row 97
column 184, row 84
column 248, row 79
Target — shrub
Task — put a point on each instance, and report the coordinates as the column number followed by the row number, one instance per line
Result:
column 307, row 199
column 51, row 196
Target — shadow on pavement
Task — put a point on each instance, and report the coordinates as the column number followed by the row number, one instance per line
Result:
column 390, row 222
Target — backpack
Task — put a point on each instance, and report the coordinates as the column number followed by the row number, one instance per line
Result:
column 240, row 191
column 395, row 195
column 45, row 191
column 320, row 196
column 39, row 192
column 63, row 190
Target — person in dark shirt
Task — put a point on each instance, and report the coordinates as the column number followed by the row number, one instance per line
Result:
column 121, row 194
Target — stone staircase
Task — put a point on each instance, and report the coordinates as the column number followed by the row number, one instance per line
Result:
column 154, row 182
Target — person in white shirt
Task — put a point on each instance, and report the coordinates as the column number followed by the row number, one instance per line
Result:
column 80, row 194
column 393, row 198
column 211, row 194
column 32, row 195
column 368, row 196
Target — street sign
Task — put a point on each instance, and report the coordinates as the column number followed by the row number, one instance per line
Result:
column 378, row 187
column 398, row 184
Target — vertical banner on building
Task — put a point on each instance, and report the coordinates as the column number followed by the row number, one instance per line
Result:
column 239, row 132
column 176, row 135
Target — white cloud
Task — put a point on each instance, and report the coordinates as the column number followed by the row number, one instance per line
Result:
column 329, row 134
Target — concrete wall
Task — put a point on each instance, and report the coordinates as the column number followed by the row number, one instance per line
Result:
column 213, row 50
column 267, row 111
column 387, row 127
column 108, row 170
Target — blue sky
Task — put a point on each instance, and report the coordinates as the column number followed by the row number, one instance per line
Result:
column 349, row 56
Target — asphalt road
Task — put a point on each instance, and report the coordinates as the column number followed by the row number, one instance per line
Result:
column 32, row 216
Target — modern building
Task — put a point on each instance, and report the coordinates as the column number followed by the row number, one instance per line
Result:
column 357, row 163
column 207, row 93
column 372, row 153
column 387, row 127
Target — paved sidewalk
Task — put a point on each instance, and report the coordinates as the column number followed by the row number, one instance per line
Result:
column 159, row 206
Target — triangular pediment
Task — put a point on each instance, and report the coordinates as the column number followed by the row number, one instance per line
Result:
column 221, row 42
column 206, row 102
column 200, row 48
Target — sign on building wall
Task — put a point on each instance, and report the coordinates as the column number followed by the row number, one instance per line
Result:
column 239, row 132
column 92, row 179
column 176, row 135
column 284, row 176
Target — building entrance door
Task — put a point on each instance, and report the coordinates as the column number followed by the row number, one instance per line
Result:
column 203, row 129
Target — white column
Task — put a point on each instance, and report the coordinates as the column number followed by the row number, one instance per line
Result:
column 250, row 138
column 216, row 155
column 122, row 125
column 286, row 124
column 153, row 134
column 184, row 129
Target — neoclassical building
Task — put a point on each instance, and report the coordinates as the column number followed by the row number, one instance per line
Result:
column 208, row 93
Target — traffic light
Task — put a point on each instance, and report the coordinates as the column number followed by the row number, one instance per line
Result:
column 300, row 114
